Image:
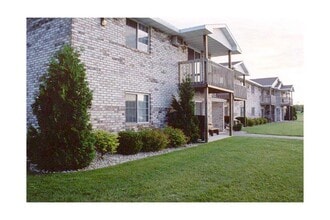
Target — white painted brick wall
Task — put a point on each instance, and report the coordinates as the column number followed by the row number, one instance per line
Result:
column 43, row 38
column 113, row 69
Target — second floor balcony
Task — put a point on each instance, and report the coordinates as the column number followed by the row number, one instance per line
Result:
column 267, row 100
column 286, row 101
column 218, row 76
column 240, row 92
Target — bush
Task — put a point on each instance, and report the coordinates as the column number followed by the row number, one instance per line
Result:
column 129, row 142
column 33, row 144
column 175, row 136
column 250, row 122
column 105, row 142
column 264, row 120
column 237, row 127
column 153, row 140
column 63, row 139
column 182, row 112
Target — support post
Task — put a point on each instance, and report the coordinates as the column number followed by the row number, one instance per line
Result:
column 206, row 89
column 229, row 59
column 206, row 121
column 205, row 57
column 244, row 103
column 244, row 106
column 231, row 119
column 231, row 100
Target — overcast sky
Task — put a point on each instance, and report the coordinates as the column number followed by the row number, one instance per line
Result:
column 271, row 46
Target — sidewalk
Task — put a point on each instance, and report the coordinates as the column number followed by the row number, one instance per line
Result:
column 223, row 135
column 245, row 134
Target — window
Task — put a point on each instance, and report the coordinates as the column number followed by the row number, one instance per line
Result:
column 143, row 38
column 193, row 55
column 253, row 111
column 252, row 89
column 242, row 112
column 137, row 107
column 137, row 35
column 198, row 108
column 226, row 110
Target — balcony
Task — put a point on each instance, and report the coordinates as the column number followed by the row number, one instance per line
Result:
column 286, row 101
column 218, row 76
column 267, row 100
column 240, row 92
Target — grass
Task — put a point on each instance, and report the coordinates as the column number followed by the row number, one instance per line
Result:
column 286, row 128
column 236, row 169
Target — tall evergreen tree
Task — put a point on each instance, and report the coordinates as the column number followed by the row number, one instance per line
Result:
column 63, row 138
column 291, row 114
column 182, row 114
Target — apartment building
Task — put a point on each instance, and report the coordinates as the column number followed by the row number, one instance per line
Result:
column 134, row 66
column 275, row 98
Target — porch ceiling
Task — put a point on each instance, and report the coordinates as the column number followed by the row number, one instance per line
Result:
column 220, row 39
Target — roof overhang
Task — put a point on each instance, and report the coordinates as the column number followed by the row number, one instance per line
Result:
column 220, row 39
column 253, row 82
column 159, row 24
column 289, row 88
column 240, row 69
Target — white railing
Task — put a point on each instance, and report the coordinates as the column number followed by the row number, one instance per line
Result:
column 217, row 75
column 268, row 99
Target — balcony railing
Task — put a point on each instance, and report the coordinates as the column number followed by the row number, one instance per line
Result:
column 217, row 75
column 267, row 100
column 240, row 92
column 286, row 101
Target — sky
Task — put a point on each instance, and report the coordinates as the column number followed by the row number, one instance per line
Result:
column 271, row 46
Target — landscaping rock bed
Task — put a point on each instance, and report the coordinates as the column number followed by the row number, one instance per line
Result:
column 113, row 159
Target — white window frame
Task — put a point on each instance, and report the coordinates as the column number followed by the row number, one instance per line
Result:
column 199, row 104
column 137, row 43
column 137, row 108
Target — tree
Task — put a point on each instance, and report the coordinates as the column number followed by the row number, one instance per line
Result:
column 182, row 113
column 291, row 113
column 63, row 139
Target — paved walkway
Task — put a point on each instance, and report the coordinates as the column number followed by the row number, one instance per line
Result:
column 245, row 134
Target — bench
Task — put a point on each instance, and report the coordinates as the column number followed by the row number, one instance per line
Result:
column 213, row 130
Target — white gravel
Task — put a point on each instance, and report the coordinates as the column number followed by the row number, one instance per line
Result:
column 114, row 159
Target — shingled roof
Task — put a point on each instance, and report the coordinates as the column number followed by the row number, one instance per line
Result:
column 287, row 87
column 265, row 81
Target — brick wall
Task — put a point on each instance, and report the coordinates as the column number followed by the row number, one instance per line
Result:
column 237, row 108
column 215, row 109
column 114, row 69
column 44, row 36
column 253, row 100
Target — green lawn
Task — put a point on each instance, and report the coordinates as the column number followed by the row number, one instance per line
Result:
column 233, row 169
column 288, row 128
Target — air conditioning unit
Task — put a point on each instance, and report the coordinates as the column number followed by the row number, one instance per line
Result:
column 177, row 41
